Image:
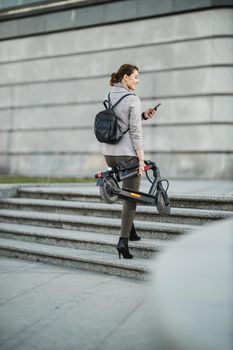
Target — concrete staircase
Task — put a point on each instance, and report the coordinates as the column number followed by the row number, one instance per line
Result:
column 70, row 226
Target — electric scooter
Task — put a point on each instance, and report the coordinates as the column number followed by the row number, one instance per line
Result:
column 110, row 190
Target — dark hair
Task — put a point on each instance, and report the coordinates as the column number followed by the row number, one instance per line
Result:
column 124, row 69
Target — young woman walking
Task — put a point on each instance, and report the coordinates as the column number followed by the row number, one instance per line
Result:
column 130, row 147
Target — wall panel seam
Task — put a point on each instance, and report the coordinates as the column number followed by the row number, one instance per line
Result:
column 106, row 76
column 82, row 53
column 165, row 97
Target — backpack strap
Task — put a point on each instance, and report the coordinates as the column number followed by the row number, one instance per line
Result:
column 108, row 104
column 119, row 99
column 119, row 102
column 105, row 104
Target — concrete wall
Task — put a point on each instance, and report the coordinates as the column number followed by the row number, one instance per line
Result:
column 52, row 85
column 13, row 3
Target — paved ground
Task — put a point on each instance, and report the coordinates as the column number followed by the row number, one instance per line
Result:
column 49, row 307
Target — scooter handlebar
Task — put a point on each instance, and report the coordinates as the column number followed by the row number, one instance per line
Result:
column 148, row 165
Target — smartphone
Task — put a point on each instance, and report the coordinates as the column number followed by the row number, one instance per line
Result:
column 157, row 106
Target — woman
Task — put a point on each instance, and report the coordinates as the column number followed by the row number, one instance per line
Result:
column 130, row 147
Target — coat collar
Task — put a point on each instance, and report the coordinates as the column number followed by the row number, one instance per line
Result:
column 119, row 87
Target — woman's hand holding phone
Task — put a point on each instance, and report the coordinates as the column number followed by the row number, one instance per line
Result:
column 157, row 106
column 149, row 113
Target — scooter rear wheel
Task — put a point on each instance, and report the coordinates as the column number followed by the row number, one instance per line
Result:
column 163, row 209
column 106, row 191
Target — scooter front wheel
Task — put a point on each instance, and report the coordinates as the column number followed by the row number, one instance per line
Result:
column 106, row 191
column 163, row 208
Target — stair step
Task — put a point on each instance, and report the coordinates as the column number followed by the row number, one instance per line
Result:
column 61, row 193
column 69, row 225
column 211, row 202
column 77, row 258
column 149, row 213
column 145, row 229
column 77, row 239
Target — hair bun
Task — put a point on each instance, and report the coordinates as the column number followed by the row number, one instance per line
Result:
column 114, row 75
column 114, row 78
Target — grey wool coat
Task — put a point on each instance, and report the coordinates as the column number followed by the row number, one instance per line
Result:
column 129, row 114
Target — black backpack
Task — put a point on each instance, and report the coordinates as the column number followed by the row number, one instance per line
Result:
column 106, row 126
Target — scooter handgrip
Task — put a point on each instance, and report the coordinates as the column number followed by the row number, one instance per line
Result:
column 99, row 174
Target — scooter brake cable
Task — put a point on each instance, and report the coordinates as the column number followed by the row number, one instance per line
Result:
column 166, row 182
column 148, row 177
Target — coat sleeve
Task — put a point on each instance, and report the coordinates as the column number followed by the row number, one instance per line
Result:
column 135, row 123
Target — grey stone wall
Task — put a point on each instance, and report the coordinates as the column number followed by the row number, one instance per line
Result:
column 13, row 3
column 52, row 85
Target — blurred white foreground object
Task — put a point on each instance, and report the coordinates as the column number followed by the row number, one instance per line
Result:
column 192, row 291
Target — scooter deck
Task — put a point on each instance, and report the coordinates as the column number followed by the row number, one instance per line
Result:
column 135, row 196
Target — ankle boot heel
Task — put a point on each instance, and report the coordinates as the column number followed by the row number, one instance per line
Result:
column 123, row 248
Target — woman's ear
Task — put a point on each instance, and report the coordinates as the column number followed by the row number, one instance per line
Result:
column 125, row 77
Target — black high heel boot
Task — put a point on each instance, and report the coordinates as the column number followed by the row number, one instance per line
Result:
column 133, row 234
column 123, row 248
